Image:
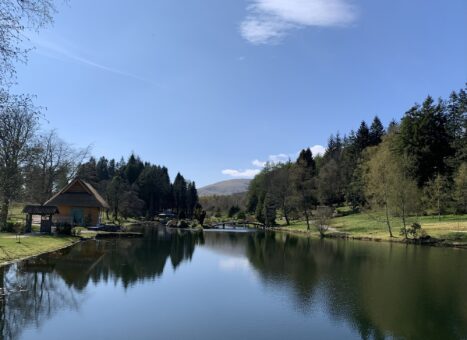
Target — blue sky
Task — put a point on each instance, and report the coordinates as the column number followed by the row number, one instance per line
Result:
column 215, row 88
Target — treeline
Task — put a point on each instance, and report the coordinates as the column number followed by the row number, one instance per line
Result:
column 415, row 166
column 35, row 164
column 134, row 188
column 231, row 205
column 29, row 168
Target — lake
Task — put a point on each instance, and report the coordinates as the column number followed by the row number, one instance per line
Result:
column 175, row 284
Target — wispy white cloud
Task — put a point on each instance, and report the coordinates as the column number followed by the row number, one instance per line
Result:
column 272, row 159
column 279, row 158
column 283, row 158
column 67, row 51
column 268, row 21
column 247, row 173
column 317, row 150
column 258, row 163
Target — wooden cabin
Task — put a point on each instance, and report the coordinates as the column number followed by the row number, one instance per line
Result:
column 78, row 204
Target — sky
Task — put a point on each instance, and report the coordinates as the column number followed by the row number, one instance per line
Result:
column 214, row 89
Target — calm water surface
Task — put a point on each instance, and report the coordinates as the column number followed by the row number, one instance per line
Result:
column 232, row 285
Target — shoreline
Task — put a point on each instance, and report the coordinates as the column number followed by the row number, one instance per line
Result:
column 431, row 242
column 19, row 259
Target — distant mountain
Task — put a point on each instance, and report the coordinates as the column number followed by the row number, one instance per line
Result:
column 224, row 188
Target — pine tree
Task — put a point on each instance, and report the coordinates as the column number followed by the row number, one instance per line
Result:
column 180, row 195
column 376, row 132
column 362, row 137
column 133, row 169
column 424, row 138
column 306, row 159
column 102, row 170
column 460, row 189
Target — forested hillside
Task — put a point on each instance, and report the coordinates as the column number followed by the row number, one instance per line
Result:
column 135, row 188
column 414, row 166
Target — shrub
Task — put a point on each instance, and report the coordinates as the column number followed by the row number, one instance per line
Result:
column 76, row 231
column 322, row 216
column 233, row 210
column 12, row 227
column 241, row 215
column 415, row 230
column 64, row 228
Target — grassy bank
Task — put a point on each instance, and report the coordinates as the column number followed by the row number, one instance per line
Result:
column 11, row 249
column 452, row 228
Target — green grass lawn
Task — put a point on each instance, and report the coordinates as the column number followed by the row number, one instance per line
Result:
column 450, row 227
column 11, row 249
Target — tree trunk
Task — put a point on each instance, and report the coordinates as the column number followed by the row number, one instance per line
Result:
column 4, row 213
column 404, row 222
column 439, row 209
column 307, row 220
column 286, row 216
column 387, row 220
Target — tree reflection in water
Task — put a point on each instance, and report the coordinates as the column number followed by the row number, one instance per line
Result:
column 31, row 296
column 35, row 289
column 381, row 290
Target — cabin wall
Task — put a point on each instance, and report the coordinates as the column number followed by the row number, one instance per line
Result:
column 66, row 216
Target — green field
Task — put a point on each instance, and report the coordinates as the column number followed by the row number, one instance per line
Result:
column 13, row 249
column 449, row 227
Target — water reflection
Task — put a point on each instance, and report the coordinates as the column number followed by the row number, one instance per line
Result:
column 380, row 290
column 30, row 297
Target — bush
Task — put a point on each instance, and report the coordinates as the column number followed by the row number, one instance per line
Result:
column 241, row 215
column 64, row 228
column 76, row 231
column 233, row 210
column 12, row 227
column 322, row 216
column 415, row 230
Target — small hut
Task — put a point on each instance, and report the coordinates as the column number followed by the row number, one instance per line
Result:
column 78, row 204
column 45, row 212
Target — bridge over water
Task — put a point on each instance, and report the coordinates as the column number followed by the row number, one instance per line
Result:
column 234, row 224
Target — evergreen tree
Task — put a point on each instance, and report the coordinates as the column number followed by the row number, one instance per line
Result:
column 376, row 132
column 88, row 171
column 102, row 170
column 424, row 138
column 460, row 189
column 362, row 137
column 457, row 126
column 306, row 160
column 304, row 185
column 133, row 169
column 180, row 195
column 111, row 169
column 192, row 198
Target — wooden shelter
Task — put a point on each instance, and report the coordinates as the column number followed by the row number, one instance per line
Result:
column 45, row 212
column 78, row 204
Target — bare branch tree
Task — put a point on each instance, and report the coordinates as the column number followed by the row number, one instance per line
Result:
column 16, row 17
column 18, row 127
column 55, row 163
